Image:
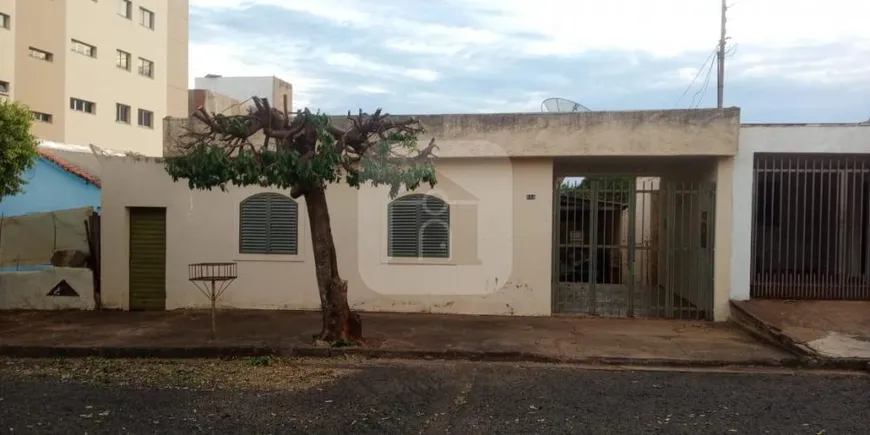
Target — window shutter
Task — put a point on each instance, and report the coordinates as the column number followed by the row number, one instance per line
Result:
column 404, row 240
column 434, row 228
column 254, row 225
column 419, row 227
column 283, row 231
column 268, row 224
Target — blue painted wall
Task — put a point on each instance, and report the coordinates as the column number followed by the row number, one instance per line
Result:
column 50, row 188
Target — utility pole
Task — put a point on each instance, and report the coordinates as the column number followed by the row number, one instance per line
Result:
column 720, row 86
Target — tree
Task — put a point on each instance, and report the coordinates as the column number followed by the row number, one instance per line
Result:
column 306, row 153
column 17, row 147
column 610, row 188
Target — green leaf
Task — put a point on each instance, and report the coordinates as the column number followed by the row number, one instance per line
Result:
column 17, row 147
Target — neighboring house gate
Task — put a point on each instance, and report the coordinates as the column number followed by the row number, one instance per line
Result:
column 634, row 248
column 811, row 226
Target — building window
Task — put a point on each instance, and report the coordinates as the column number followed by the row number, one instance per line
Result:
column 122, row 113
column 146, row 118
column 146, row 68
column 41, row 54
column 83, row 48
column 41, row 117
column 5, row 21
column 83, row 106
column 122, row 60
column 268, row 224
column 125, row 9
column 4, row 88
column 146, row 18
column 418, row 227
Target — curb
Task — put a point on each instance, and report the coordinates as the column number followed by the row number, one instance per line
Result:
column 453, row 355
column 770, row 333
column 810, row 359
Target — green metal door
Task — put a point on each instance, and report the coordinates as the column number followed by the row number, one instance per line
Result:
column 147, row 258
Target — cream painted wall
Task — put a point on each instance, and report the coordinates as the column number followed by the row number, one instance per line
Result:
column 505, row 204
column 46, row 87
column 107, row 85
column 771, row 138
column 7, row 48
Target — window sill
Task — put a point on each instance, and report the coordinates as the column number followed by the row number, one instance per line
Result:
column 420, row 261
column 268, row 258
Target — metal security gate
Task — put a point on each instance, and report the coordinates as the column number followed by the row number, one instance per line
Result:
column 811, row 227
column 634, row 247
column 147, row 258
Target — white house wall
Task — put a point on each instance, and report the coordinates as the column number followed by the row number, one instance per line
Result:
column 819, row 138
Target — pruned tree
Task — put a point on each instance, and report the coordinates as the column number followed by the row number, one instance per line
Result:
column 17, row 147
column 306, row 153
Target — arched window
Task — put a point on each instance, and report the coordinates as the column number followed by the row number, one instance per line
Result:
column 418, row 227
column 268, row 224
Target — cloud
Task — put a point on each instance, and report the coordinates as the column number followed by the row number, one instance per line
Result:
column 501, row 55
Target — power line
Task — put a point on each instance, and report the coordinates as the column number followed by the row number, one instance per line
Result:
column 709, row 60
column 703, row 91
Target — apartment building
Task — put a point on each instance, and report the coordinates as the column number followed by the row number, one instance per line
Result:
column 102, row 72
column 243, row 88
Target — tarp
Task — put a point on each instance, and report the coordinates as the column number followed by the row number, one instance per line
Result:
column 32, row 239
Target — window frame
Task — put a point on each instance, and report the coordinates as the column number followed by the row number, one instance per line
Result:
column 84, row 105
column 118, row 110
column 76, row 43
column 150, row 64
column 422, row 220
column 139, row 114
column 128, row 9
column 5, row 21
column 5, row 87
column 268, row 218
column 128, row 58
column 143, row 12
column 43, row 117
column 46, row 56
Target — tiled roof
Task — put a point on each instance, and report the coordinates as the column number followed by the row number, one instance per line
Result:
column 73, row 168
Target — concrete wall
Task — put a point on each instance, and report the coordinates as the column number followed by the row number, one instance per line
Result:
column 772, row 138
column 50, row 188
column 243, row 88
column 214, row 102
column 47, row 87
column 500, row 242
column 29, row 290
column 700, row 132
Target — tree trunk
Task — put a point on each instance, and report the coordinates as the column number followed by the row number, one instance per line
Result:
column 340, row 324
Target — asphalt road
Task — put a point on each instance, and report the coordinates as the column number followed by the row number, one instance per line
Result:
column 456, row 398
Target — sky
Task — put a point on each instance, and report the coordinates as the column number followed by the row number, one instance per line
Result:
column 787, row 60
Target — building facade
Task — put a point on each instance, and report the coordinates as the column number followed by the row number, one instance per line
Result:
column 492, row 243
column 97, row 72
column 243, row 88
column 804, row 228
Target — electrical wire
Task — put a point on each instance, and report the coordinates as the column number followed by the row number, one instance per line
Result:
column 701, row 92
column 709, row 60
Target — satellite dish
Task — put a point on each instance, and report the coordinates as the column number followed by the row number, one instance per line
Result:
column 562, row 105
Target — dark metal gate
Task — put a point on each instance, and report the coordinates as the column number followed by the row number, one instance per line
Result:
column 634, row 247
column 811, row 226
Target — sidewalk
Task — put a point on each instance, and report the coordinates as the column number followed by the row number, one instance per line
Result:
column 247, row 333
column 822, row 329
